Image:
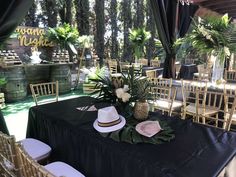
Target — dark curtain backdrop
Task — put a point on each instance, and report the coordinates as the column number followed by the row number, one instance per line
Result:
column 11, row 14
column 3, row 126
column 164, row 12
column 186, row 13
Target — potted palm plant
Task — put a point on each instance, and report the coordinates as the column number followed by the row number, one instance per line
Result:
column 65, row 36
column 212, row 36
column 138, row 37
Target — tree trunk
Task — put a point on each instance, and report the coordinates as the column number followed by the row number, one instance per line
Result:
column 65, row 12
column 127, row 24
column 50, row 12
column 68, row 16
column 150, row 47
column 100, row 29
column 139, row 13
column 31, row 18
column 114, row 29
column 82, row 16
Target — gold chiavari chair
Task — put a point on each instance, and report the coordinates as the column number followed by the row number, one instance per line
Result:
column 229, row 100
column 8, row 155
column 203, row 74
column 230, row 75
column 189, row 90
column 163, row 96
column 151, row 74
column 38, row 150
column 208, row 112
column 161, row 82
column 4, row 170
column 143, row 62
column 43, row 91
column 29, row 167
column 155, row 63
column 113, row 66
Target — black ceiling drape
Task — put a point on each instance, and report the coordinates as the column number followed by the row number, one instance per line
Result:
column 11, row 14
column 164, row 12
column 186, row 13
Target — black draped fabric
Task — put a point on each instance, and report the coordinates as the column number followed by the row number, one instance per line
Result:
column 11, row 14
column 165, row 15
column 186, row 13
column 164, row 12
column 73, row 139
column 3, row 126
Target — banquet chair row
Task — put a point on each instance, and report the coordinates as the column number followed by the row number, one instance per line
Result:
column 204, row 106
column 15, row 161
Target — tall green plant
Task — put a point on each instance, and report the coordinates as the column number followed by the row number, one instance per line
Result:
column 212, row 36
column 138, row 38
column 65, row 36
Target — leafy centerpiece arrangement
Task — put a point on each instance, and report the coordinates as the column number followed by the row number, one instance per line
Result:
column 212, row 36
column 124, row 91
column 138, row 37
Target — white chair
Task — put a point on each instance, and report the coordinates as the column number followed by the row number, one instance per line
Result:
column 29, row 167
column 38, row 150
column 45, row 92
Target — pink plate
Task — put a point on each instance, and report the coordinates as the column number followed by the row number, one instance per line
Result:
column 148, row 128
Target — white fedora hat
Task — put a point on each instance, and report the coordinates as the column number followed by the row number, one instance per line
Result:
column 108, row 120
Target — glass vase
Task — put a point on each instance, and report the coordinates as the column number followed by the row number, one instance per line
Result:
column 218, row 70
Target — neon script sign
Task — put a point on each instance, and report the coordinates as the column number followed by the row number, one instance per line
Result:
column 29, row 36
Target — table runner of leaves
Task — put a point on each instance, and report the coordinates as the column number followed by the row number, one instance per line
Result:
column 128, row 133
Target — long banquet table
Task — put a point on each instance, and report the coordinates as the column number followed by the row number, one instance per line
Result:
column 196, row 150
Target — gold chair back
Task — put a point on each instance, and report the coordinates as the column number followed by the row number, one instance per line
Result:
column 112, row 65
column 29, row 167
column 230, row 75
column 189, row 90
column 210, row 111
column 160, row 82
column 4, row 170
column 151, row 74
column 8, row 154
column 155, row 63
column 144, row 62
column 42, row 91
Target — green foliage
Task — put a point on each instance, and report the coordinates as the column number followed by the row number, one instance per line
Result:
column 97, row 72
column 64, row 35
column 85, row 41
column 138, row 37
column 2, row 81
column 128, row 134
column 212, row 36
column 138, row 87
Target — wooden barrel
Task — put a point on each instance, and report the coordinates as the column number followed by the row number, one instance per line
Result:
column 62, row 74
column 16, row 86
column 37, row 74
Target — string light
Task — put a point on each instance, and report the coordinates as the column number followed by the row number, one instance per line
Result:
column 187, row 2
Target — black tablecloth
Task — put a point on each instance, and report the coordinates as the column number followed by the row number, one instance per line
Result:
column 187, row 71
column 196, row 151
column 159, row 71
column 3, row 126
